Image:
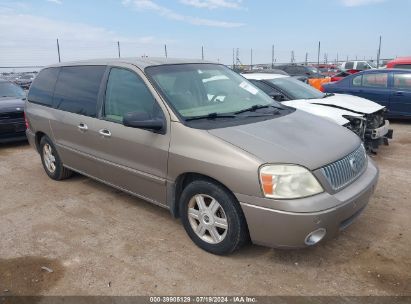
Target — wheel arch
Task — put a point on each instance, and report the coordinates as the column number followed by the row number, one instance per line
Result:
column 181, row 182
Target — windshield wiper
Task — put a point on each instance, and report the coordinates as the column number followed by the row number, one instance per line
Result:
column 255, row 108
column 328, row 95
column 210, row 116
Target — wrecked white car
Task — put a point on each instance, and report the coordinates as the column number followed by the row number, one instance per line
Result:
column 362, row 116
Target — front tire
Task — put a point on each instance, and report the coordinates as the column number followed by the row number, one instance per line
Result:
column 51, row 160
column 212, row 217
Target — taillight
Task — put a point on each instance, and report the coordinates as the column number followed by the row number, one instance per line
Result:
column 26, row 121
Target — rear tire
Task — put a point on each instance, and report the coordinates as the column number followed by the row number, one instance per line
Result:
column 51, row 160
column 212, row 217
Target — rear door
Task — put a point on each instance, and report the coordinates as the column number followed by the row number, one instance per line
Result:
column 132, row 159
column 75, row 131
column 400, row 99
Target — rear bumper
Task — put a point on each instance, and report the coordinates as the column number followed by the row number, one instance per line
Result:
column 277, row 228
column 12, row 130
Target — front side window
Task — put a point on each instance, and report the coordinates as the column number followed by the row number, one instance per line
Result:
column 402, row 81
column 204, row 89
column 8, row 89
column 126, row 93
column 41, row 90
column 296, row 89
column 362, row 66
column 357, row 81
column 77, row 89
column 377, row 80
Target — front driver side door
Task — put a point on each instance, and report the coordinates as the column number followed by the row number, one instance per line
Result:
column 133, row 159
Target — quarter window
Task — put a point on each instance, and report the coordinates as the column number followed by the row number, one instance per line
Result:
column 126, row 92
column 402, row 81
column 377, row 80
column 77, row 89
column 41, row 91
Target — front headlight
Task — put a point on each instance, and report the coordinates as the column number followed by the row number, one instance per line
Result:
column 288, row 182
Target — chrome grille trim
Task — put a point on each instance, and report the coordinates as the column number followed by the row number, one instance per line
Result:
column 344, row 171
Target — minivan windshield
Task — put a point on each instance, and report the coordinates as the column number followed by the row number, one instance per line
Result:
column 296, row 89
column 196, row 90
column 8, row 89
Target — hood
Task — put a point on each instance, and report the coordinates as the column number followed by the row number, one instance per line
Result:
column 298, row 138
column 349, row 102
column 327, row 112
column 11, row 104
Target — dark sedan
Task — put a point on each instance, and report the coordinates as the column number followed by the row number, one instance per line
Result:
column 390, row 88
column 12, row 124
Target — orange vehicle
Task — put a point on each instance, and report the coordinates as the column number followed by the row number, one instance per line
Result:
column 318, row 82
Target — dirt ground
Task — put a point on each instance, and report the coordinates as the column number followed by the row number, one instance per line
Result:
column 99, row 241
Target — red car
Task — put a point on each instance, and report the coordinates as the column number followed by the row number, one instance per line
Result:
column 400, row 63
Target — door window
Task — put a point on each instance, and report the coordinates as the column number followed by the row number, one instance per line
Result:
column 362, row 66
column 375, row 80
column 349, row 65
column 357, row 81
column 77, row 89
column 126, row 92
column 402, row 81
column 403, row 66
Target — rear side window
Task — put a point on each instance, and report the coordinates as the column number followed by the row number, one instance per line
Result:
column 77, row 89
column 379, row 80
column 402, row 81
column 126, row 92
column 349, row 65
column 41, row 91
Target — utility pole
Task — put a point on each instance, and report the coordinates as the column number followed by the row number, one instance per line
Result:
column 306, row 58
column 337, row 59
column 251, row 60
column 165, row 50
column 233, row 60
column 292, row 57
column 272, row 57
column 118, row 48
column 379, row 54
column 202, row 53
column 319, row 50
column 58, row 49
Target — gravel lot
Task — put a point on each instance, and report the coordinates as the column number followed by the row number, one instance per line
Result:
column 99, row 241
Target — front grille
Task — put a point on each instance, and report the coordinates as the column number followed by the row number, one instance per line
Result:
column 344, row 171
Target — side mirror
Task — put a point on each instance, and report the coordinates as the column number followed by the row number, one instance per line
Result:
column 142, row 120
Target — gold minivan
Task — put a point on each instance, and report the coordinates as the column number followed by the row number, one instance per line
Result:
column 202, row 141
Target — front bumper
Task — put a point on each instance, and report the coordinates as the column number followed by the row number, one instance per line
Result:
column 379, row 136
column 278, row 228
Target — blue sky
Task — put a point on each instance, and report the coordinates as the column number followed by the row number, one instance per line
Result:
column 90, row 29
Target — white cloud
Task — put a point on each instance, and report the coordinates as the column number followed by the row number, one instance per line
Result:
column 150, row 5
column 55, row 1
column 352, row 3
column 26, row 39
column 213, row 4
